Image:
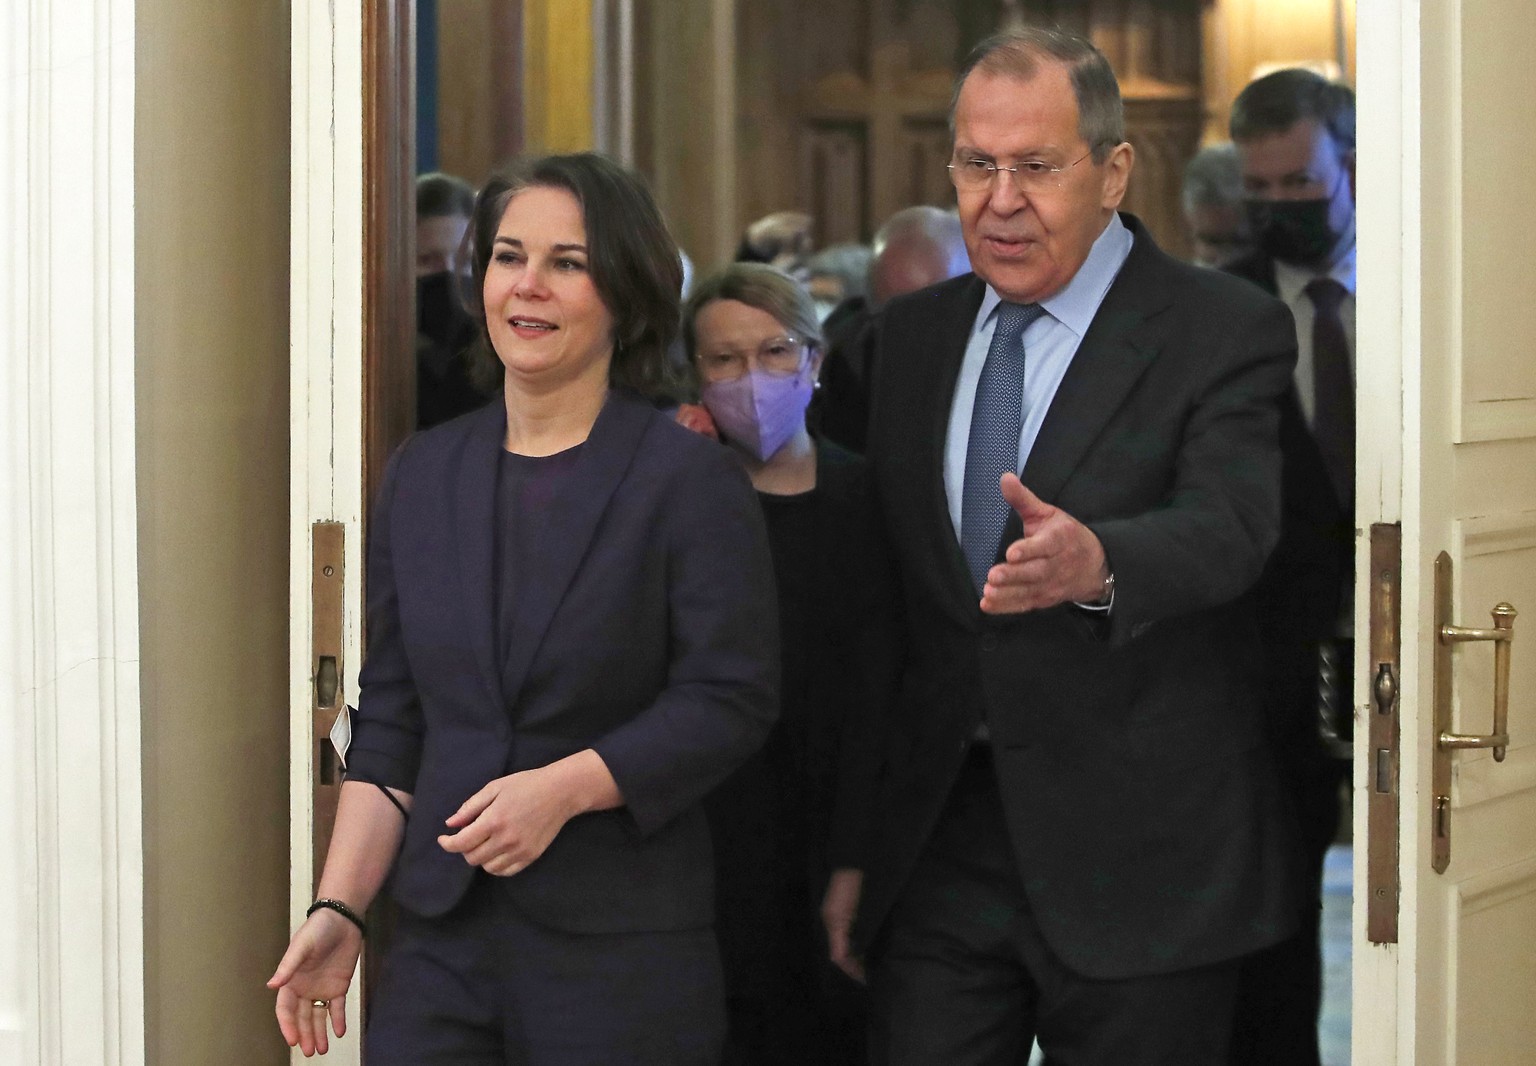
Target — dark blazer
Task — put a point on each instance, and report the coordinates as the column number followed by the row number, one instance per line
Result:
column 1130, row 751
column 1306, row 573
column 839, row 412
column 1300, row 593
column 647, row 632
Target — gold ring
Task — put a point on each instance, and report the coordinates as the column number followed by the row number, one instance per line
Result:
column 321, row 1003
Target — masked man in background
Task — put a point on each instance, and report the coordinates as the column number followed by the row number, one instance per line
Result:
column 1295, row 137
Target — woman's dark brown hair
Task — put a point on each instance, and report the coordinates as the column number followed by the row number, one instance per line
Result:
column 631, row 256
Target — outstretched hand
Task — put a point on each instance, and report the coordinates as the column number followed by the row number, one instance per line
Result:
column 1058, row 560
column 318, row 965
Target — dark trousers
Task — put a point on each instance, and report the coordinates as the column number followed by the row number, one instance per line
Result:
column 962, row 976
column 483, row 986
column 786, row 1004
column 1280, row 989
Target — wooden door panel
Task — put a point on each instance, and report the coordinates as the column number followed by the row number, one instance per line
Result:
column 1441, row 126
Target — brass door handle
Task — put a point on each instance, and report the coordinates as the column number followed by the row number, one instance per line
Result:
column 1503, row 635
column 1447, row 636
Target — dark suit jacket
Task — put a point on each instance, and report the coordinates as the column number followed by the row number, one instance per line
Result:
column 647, row 632
column 839, row 412
column 1130, row 751
column 1299, row 600
column 1306, row 573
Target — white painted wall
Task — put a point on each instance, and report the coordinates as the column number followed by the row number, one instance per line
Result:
column 71, row 983
column 143, row 530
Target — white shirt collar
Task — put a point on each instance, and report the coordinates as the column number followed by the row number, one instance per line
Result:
column 1290, row 279
column 1075, row 304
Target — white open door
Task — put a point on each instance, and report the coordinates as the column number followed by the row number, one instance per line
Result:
column 1447, row 386
column 325, row 570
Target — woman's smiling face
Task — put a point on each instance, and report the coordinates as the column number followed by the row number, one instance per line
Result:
column 547, row 322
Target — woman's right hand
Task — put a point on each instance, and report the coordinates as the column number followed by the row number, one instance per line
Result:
column 318, row 965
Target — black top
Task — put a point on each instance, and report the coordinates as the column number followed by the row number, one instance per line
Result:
column 525, row 485
column 772, row 819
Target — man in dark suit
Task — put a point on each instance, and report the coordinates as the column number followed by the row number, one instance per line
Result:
column 1295, row 137
column 1079, row 827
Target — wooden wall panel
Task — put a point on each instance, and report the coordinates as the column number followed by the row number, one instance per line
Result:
column 833, row 172
column 557, row 75
column 389, row 235
column 896, row 86
column 1240, row 37
column 1165, row 134
column 480, row 88
column 465, row 88
column 885, row 66
column 922, row 152
column 685, row 135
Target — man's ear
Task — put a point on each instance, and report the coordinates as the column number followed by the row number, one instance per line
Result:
column 1349, row 167
column 1117, row 174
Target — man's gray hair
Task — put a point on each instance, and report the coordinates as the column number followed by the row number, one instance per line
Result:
column 924, row 222
column 1213, row 178
column 1018, row 54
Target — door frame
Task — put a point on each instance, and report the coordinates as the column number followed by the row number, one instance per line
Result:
column 329, row 283
column 1389, row 326
column 326, row 395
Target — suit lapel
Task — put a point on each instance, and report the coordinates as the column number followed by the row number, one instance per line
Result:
column 1119, row 346
column 937, row 362
column 474, row 505
column 565, row 530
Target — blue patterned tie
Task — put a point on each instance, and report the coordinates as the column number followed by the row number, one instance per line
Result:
column 996, row 420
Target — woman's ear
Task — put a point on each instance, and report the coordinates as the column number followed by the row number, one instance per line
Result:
column 817, row 357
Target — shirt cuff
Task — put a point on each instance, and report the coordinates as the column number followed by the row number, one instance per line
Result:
column 1097, row 608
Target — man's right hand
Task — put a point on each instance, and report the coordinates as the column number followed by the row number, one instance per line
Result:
column 839, row 907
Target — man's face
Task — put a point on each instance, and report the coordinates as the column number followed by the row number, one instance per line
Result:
column 1301, row 162
column 1028, row 247
column 904, row 267
column 439, row 241
column 1219, row 233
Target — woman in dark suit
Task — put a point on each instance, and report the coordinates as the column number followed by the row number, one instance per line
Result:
column 752, row 334
column 571, row 640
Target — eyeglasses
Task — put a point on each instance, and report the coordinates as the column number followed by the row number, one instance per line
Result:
column 781, row 356
column 1030, row 176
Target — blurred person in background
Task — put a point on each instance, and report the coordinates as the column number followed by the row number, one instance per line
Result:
column 1214, row 215
column 782, row 239
column 445, row 330
column 915, row 248
column 1295, row 137
column 836, row 274
column 752, row 336
column 444, row 204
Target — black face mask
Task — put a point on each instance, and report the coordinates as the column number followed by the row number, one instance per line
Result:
column 440, row 309
column 1293, row 231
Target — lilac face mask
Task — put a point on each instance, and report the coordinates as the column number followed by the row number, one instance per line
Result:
column 758, row 412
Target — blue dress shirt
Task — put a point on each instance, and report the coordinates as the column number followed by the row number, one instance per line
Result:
column 1049, row 344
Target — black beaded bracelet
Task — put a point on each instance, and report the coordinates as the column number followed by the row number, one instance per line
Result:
column 340, row 908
